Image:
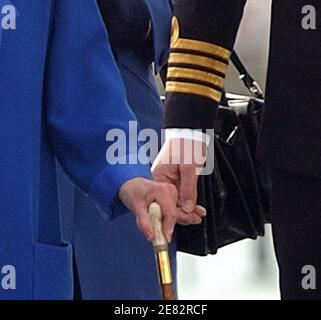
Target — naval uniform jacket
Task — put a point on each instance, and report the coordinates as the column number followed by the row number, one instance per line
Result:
column 203, row 36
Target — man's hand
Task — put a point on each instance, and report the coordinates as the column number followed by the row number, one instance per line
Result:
column 137, row 194
column 179, row 163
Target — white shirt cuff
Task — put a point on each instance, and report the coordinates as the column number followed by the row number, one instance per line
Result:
column 191, row 134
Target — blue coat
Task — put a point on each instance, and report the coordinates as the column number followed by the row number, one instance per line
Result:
column 59, row 95
column 114, row 260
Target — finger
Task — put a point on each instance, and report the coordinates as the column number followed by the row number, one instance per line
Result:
column 167, row 173
column 194, row 218
column 184, row 218
column 167, row 200
column 188, row 218
column 160, row 175
column 144, row 223
column 188, row 187
column 169, row 218
column 169, row 223
column 200, row 211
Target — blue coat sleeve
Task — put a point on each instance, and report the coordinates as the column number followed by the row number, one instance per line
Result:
column 84, row 99
column 128, row 22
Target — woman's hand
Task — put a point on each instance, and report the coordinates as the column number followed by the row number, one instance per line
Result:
column 137, row 195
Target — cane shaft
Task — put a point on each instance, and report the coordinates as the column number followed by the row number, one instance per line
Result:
column 168, row 292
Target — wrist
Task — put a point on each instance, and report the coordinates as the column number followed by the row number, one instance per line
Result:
column 190, row 134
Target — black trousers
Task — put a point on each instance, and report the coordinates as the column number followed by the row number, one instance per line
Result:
column 296, row 221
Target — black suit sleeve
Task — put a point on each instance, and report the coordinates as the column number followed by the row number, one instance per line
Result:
column 128, row 21
column 203, row 35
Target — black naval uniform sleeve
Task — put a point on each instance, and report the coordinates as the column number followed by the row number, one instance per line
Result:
column 203, row 35
column 128, row 21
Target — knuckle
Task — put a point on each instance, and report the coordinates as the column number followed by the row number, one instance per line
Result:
column 165, row 189
column 170, row 190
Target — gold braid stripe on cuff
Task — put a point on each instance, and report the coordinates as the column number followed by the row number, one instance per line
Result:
column 192, row 74
column 191, row 88
column 195, row 60
column 177, row 42
column 201, row 46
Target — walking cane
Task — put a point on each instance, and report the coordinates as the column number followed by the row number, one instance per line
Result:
column 161, row 254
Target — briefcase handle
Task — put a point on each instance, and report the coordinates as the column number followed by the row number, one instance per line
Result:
column 250, row 83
